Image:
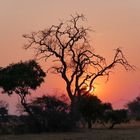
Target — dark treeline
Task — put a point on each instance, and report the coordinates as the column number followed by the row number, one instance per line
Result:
column 53, row 114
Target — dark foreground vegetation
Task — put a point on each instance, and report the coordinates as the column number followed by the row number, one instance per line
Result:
column 124, row 132
column 53, row 114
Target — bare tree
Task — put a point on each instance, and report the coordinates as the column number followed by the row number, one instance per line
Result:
column 73, row 58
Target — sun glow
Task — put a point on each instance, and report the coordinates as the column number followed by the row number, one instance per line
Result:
column 90, row 89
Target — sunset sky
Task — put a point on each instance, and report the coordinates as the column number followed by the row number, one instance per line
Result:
column 116, row 24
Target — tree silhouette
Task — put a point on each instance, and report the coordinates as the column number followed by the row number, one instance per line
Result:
column 3, row 110
column 73, row 58
column 116, row 117
column 93, row 110
column 51, row 112
column 134, row 108
column 90, row 107
column 21, row 78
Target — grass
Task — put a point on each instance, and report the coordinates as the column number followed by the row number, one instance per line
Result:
column 129, row 131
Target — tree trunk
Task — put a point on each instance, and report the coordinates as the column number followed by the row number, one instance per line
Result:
column 112, row 126
column 89, row 124
column 75, row 114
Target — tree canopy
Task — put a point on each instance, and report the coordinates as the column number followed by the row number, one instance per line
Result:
column 116, row 117
column 51, row 113
column 92, row 109
column 134, row 108
column 20, row 78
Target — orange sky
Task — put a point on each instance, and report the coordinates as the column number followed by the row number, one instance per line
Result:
column 116, row 24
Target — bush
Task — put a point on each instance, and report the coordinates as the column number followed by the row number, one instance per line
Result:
column 49, row 114
column 116, row 117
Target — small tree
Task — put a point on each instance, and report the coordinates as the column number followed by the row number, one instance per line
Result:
column 134, row 108
column 91, row 108
column 116, row 117
column 21, row 78
column 52, row 113
column 105, row 107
